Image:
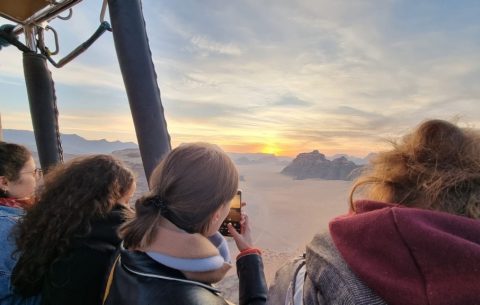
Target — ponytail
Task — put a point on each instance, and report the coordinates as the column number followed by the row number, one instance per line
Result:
column 139, row 232
column 187, row 187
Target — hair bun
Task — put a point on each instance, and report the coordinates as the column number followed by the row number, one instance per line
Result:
column 438, row 142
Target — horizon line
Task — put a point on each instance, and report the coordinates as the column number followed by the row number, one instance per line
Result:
column 227, row 151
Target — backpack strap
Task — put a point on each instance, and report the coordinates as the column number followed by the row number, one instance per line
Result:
column 297, row 283
column 294, row 295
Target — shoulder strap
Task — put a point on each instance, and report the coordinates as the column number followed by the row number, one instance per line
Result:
column 110, row 279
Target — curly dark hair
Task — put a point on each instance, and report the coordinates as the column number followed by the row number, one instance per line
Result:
column 72, row 195
column 435, row 167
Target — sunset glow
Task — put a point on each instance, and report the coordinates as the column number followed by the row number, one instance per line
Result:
column 271, row 149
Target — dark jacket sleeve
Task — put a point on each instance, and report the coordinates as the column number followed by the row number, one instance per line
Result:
column 253, row 287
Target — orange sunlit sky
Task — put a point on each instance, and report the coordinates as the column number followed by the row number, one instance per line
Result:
column 278, row 77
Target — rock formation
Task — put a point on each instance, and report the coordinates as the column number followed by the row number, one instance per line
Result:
column 315, row 165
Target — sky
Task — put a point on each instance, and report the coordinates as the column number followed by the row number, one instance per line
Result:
column 279, row 77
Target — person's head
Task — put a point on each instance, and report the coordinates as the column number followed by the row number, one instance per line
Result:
column 18, row 174
column 191, row 187
column 436, row 167
column 72, row 196
column 93, row 184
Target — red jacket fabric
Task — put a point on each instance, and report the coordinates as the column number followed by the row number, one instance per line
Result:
column 411, row 256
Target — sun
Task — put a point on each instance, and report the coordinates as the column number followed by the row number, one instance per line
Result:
column 271, row 149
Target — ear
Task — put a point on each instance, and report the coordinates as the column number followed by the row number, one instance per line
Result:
column 216, row 216
column 3, row 182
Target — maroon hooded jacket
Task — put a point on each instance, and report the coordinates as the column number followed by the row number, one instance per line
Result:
column 411, row 256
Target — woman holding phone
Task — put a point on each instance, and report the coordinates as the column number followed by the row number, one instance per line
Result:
column 173, row 251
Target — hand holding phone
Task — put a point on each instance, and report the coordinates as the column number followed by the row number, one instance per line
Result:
column 243, row 240
column 234, row 215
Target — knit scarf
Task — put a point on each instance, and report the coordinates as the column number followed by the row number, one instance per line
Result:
column 14, row 203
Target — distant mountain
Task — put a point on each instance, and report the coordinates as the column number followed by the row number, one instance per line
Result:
column 354, row 159
column 258, row 158
column 315, row 165
column 370, row 156
column 133, row 155
column 71, row 143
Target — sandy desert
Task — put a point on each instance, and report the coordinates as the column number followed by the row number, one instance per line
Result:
column 284, row 215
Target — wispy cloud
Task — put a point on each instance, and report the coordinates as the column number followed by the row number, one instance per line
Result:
column 11, row 64
column 204, row 43
column 290, row 100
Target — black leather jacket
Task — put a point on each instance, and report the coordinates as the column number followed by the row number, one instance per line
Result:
column 78, row 277
column 139, row 280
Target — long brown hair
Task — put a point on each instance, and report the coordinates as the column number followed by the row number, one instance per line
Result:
column 12, row 159
column 190, row 184
column 435, row 167
column 72, row 195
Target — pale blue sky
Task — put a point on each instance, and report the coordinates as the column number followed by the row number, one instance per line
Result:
column 273, row 76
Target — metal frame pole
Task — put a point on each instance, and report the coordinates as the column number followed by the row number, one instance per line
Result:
column 42, row 100
column 140, row 78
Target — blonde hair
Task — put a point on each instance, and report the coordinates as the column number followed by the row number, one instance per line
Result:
column 187, row 187
column 436, row 167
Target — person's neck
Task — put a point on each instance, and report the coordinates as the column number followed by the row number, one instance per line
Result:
column 167, row 224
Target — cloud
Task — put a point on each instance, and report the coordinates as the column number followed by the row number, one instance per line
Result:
column 180, row 109
column 11, row 81
column 289, row 100
column 196, row 38
column 11, row 64
column 204, row 43
column 82, row 75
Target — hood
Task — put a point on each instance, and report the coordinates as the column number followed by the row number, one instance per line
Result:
column 192, row 253
column 104, row 229
column 411, row 256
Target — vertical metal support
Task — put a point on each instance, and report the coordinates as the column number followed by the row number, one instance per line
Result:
column 41, row 96
column 135, row 58
column 30, row 33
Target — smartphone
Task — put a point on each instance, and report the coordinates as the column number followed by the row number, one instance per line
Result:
column 234, row 215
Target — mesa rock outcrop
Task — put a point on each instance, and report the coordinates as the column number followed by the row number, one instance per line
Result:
column 316, row 165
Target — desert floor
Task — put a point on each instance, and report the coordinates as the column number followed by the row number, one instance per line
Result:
column 284, row 215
